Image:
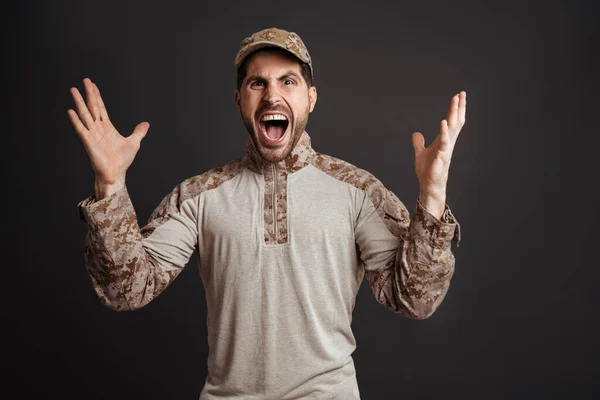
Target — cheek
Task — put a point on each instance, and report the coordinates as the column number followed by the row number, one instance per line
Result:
column 297, row 103
column 247, row 108
column 247, row 101
column 301, row 106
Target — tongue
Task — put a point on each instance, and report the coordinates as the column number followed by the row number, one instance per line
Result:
column 274, row 131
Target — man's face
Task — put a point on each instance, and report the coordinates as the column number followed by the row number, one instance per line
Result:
column 274, row 102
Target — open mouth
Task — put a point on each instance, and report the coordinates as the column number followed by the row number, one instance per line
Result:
column 274, row 128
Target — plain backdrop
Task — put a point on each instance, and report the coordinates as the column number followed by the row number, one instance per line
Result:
column 520, row 320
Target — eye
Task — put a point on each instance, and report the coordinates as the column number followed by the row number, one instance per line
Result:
column 288, row 82
column 257, row 83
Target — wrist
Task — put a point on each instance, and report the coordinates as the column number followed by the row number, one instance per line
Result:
column 103, row 188
column 433, row 193
column 434, row 203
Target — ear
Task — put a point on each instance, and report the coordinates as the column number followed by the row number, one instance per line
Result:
column 312, row 96
column 236, row 96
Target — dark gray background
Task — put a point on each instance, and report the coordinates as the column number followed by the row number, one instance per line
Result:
column 520, row 319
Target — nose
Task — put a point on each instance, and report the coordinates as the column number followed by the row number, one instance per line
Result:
column 272, row 96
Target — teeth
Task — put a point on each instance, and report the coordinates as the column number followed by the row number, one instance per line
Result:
column 274, row 117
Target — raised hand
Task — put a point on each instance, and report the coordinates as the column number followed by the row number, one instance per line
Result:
column 110, row 153
column 433, row 163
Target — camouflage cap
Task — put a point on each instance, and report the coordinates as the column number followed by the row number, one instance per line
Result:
column 274, row 37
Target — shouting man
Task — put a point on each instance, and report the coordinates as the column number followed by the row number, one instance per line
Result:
column 284, row 234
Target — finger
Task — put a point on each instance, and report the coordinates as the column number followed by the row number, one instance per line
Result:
column 452, row 116
column 462, row 107
column 82, row 110
column 77, row 124
column 101, row 106
column 139, row 132
column 92, row 101
column 444, row 144
column 418, row 142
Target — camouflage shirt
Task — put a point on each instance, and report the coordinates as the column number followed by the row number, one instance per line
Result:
column 282, row 250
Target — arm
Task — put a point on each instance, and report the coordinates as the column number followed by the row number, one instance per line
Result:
column 130, row 266
column 408, row 261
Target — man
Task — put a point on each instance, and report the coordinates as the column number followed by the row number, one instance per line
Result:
column 284, row 235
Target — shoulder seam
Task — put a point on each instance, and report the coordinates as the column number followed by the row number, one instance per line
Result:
column 345, row 167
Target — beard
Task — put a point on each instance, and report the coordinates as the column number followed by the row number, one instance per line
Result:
column 296, row 129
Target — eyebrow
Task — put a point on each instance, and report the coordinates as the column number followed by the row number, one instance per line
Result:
column 286, row 74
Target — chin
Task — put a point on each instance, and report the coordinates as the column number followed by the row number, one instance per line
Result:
column 275, row 154
column 274, row 150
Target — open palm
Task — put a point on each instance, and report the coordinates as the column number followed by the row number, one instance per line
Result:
column 110, row 153
column 433, row 162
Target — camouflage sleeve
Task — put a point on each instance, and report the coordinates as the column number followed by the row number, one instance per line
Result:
column 130, row 266
column 408, row 261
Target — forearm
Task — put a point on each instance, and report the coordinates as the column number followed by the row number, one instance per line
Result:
column 416, row 278
column 411, row 274
column 121, row 285
column 125, row 276
column 425, row 263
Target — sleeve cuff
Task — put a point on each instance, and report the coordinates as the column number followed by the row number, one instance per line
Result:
column 89, row 207
column 438, row 232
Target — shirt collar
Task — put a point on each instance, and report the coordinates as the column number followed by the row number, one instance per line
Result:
column 300, row 156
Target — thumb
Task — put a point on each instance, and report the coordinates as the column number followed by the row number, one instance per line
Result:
column 418, row 141
column 139, row 132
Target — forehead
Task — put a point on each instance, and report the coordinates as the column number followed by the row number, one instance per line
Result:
column 271, row 61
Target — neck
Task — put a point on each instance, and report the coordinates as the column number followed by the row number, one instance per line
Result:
column 297, row 159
